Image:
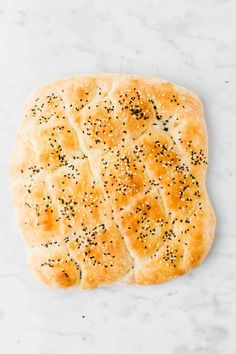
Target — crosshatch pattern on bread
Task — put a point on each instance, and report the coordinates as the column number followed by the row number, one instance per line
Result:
column 108, row 178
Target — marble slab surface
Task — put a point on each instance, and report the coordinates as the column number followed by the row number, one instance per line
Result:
column 190, row 42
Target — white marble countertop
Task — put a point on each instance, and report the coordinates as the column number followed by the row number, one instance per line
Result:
column 190, row 42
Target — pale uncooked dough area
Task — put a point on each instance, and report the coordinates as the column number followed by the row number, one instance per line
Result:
column 191, row 43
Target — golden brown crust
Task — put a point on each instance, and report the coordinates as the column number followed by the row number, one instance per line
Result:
column 108, row 177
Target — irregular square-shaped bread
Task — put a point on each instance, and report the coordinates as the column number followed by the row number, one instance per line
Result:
column 108, row 177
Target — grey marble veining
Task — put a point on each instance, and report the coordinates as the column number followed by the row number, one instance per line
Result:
column 190, row 42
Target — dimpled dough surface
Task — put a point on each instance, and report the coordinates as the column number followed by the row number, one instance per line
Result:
column 108, row 179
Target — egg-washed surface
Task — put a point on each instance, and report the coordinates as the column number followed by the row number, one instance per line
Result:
column 108, row 178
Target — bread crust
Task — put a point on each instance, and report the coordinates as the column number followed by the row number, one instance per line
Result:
column 108, row 178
